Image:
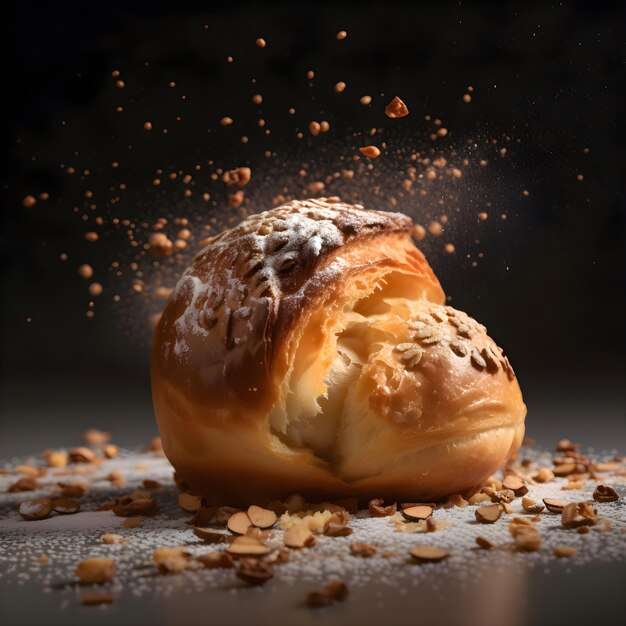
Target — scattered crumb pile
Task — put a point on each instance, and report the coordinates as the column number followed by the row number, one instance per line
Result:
column 89, row 522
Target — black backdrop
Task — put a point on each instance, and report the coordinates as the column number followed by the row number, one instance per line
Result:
column 551, row 286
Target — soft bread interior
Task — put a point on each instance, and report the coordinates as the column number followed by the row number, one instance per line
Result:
column 334, row 345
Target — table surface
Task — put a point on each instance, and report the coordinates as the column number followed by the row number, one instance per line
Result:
column 516, row 590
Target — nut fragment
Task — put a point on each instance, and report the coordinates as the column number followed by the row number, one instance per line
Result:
column 337, row 524
column 65, row 506
column 171, row 560
column 504, row 495
column 299, row 536
column 564, row 552
column 530, row 506
column 261, row 518
column 254, row 571
column 515, row 484
column 81, row 455
column 484, row 543
column 112, row 539
column 238, row 523
column 544, row 475
column 127, row 507
column 377, row 509
column 578, row 514
column 96, row 570
column 247, row 546
column 603, row 493
column 428, row 554
column 211, row 536
column 93, row 599
column 188, row 502
column 55, row 459
column 555, row 506
column 364, row 550
column 110, row 450
column 396, row 108
column 27, row 483
column 370, row 151
column 528, row 541
column 36, row 509
column 488, row 514
column 565, row 469
column 239, row 177
column 95, row 437
column 417, row 512
column 333, row 591
column 216, row 560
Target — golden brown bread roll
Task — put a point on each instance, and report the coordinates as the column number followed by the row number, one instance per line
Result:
column 308, row 350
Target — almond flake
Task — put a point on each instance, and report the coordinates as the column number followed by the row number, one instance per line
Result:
column 428, row 554
column 238, row 523
column 261, row 518
column 299, row 536
column 488, row 514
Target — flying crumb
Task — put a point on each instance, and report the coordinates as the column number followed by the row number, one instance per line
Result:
column 261, row 42
column 342, row 34
column 370, row 151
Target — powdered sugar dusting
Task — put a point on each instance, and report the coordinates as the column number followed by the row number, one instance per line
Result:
column 67, row 539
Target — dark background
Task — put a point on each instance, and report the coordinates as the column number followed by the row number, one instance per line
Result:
column 550, row 288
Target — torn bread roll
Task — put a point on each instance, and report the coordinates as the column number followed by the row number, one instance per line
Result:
column 309, row 350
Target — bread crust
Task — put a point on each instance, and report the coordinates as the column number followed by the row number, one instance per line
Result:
column 259, row 300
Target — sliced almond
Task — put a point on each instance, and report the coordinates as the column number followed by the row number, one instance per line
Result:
column 37, row 509
column 603, row 493
column 112, row 539
column 484, row 543
column 65, row 506
column 81, row 455
column 334, row 591
column 238, row 523
column 555, row 506
column 128, row 507
column 248, row 546
column 528, row 541
column 544, row 475
column 299, row 536
column 488, row 514
column 96, row 570
column 417, row 513
column 216, row 560
column 211, row 536
column 188, row 502
column 171, row 560
column 564, row 552
column 93, row 599
column 578, row 514
column 565, row 469
column 27, row 483
column 377, row 509
column 363, row 550
column 530, row 506
column 515, row 484
column 255, row 571
column 428, row 554
column 503, row 495
column 261, row 518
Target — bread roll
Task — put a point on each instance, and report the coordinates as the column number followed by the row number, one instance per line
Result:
column 309, row 350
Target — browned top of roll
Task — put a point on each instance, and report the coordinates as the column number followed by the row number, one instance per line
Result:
column 233, row 308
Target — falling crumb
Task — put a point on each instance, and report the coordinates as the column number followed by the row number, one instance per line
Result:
column 261, row 43
column 365, row 100
column 29, row 201
column 95, row 289
column 370, row 151
column 85, row 271
column 147, row 126
column 92, row 236
column 396, row 109
column 467, row 98
column 257, row 98
column 449, row 248
column 340, row 86
column 580, row 178
column 315, row 128
column 120, row 84
column 482, row 216
column 226, row 121
column 310, row 74
column 342, row 34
